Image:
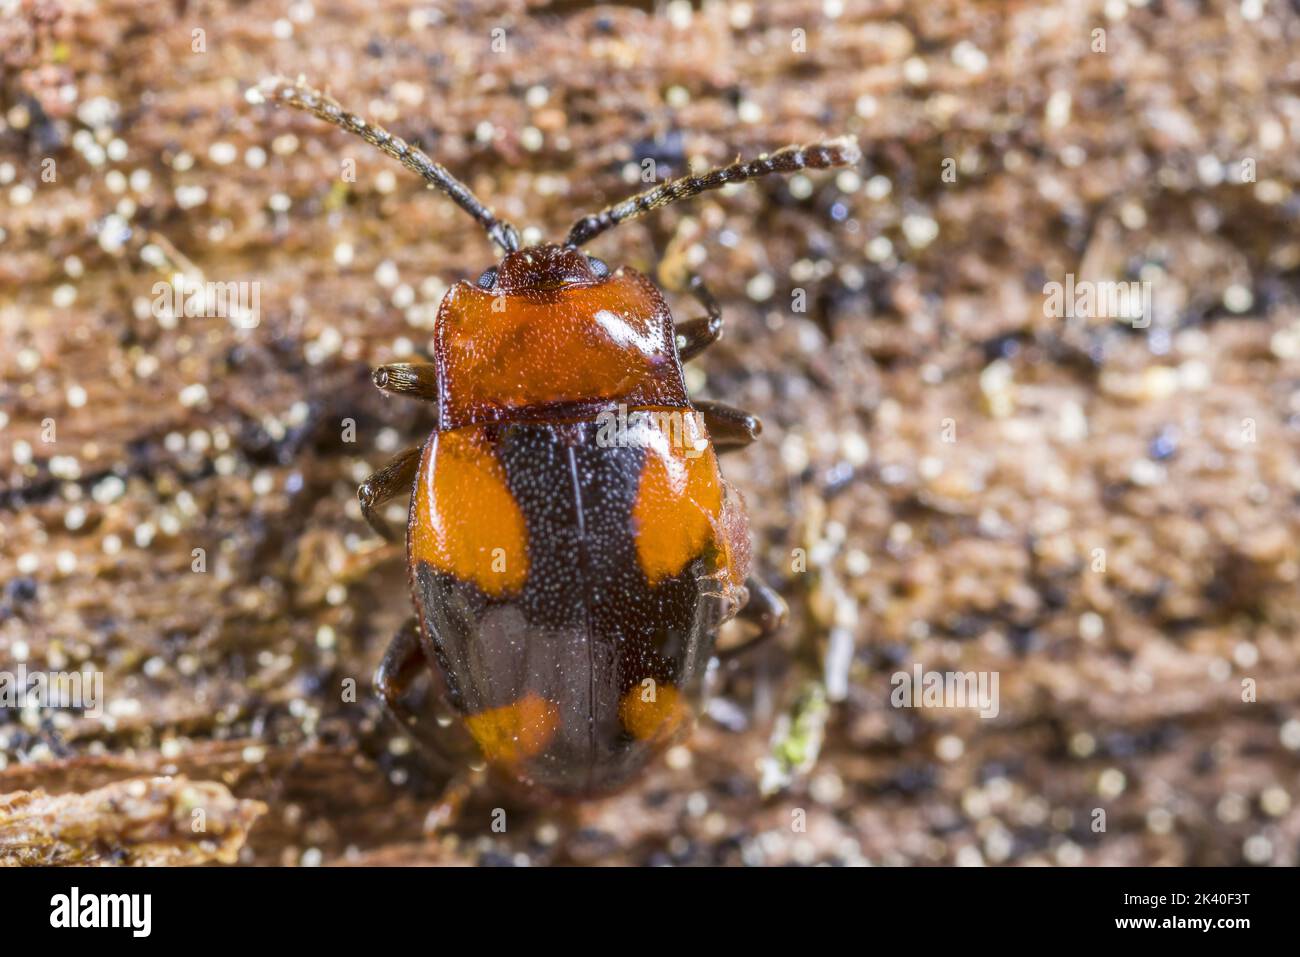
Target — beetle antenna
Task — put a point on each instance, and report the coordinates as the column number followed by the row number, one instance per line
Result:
column 841, row 151
column 303, row 97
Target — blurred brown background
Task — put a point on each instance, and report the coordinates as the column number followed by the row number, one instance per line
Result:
column 950, row 458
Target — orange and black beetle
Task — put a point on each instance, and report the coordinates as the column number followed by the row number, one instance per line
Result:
column 571, row 544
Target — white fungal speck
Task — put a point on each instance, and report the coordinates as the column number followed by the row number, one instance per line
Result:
column 108, row 490
column 949, row 748
column 65, row 467
column 194, row 394
column 97, row 111
column 222, row 153
column 1257, row 849
column 1059, row 105
column 848, row 181
column 113, row 233
column 386, row 274
column 74, row 518
column 878, row 187
column 970, row 57
column 187, row 197
column 1237, row 298
column 800, row 186
column 920, row 230
column 760, row 287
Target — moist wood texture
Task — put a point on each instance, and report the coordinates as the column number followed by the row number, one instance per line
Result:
column 948, row 457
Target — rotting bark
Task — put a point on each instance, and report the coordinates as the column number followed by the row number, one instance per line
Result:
column 1172, row 449
column 154, row 821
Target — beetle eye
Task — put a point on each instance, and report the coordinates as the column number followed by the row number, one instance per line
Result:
column 488, row 279
column 599, row 266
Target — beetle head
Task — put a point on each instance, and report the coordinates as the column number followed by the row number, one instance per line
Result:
column 540, row 267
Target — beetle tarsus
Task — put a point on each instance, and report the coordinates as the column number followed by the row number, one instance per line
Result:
column 385, row 485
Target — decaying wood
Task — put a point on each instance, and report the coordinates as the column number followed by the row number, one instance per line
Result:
column 1103, row 516
column 140, row 821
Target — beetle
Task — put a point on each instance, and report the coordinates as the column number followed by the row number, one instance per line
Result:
column 572, row 547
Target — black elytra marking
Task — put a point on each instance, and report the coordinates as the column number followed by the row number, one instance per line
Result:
column 587, row 627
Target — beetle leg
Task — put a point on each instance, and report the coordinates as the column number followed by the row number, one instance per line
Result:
column 403, row 663
column 696, row 335
column 766, row 609
column 417, row 380
column 385, row 485
column 452, row 801
column 729, row 427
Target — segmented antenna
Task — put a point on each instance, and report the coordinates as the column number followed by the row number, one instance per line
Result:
column 841, row 151
column 303, row 97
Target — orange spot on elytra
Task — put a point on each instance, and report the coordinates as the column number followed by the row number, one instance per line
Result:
column 467, row 522
column 513, row 732
column 652, row 711
column 678, row 501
